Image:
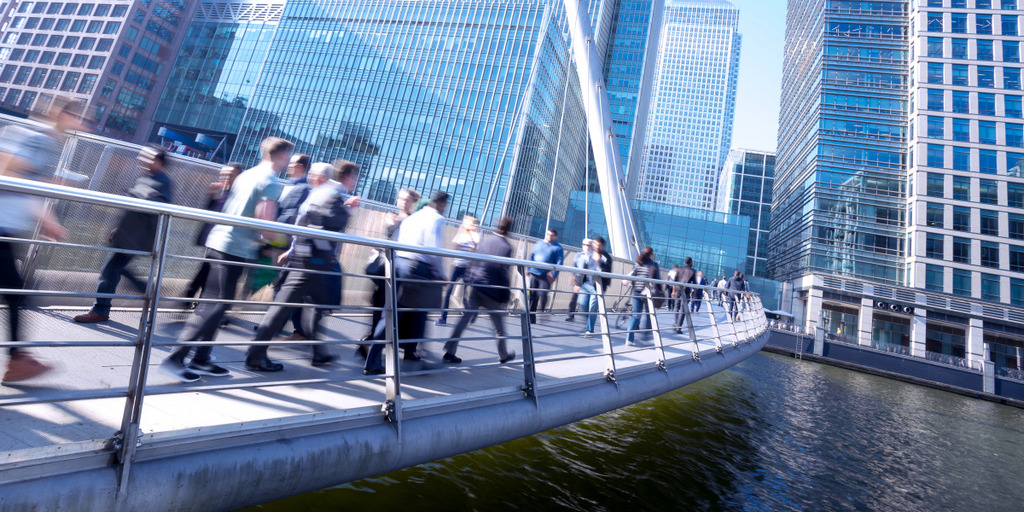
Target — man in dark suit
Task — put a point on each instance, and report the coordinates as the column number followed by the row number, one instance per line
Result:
column 490, row 282
column 685, row 275
column 135, row 232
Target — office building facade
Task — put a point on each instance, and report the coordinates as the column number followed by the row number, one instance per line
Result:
column 745, row 188
column 113, row 55
column 689, row 128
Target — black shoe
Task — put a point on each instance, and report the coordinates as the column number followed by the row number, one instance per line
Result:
column 374, row 371
column 509, row 357
column 322, row 360
column 208, row 368
column 411, row 356
column 225, row 322
column 362, row 351
column 450, row 358
column 569, row 318
column 263, row 365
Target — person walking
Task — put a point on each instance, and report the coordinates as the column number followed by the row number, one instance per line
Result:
column 547, row 250
column 254, row 195
column 419, row 278
column 490, row 291
column 698, row 293
column 406, row 201
column 673, row 303
column 19, row 215
column 328, row 207
column 135, row 231
column 736, row 286
column 685, row 275
column 216, row 195
column 577, row 279
column 645, row 267
column 723, row 283
column 465, row 240
column 594, row 260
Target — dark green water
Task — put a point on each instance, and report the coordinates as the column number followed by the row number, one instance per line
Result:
column 771, row 434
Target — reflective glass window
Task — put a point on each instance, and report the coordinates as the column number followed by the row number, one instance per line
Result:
column 961, row 74
column 1009, row 25
column 989, row 222
column 935, row 99
column 1011, row 51
column 984, row 49
column 935, row 47
column 1015, row 221
column 989, row 254
column 959, row 48
column 935, row 22
column 1016, row 259
column 986, row 76
column 934, row 215
column 986, row 104
column 961, row 218
column 1014, row 194
column 962, row 282
column 936, row 184
column 983, row 23
column 936, row 155
column 935, row 127
column 1008, row 5
column 933, row 278
column 989, row 191
column 987, row 132
column 961, row 250
column 961, row 188
column 958, row 23
column 987, row 161
column 1011, row 79
column 961, row 130
column 1014, row 135
column 961, row 158
column 934, row 246
column 961, row 102
column 934, row 73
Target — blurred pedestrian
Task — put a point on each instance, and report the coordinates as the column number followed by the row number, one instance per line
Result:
column 547, row 250
column 736, row 287
column 420, row 280
column 490, row 291
column 588, row 298
column 697, row 295
column 136, row 231
column 406, row 201
column 254, row 194
column 328, row 207
column 293, row 195
column 216, row 195
column 577, row 279
column 465, row 240
column 645, row 267
column 40, row 149
column 685, row 275
column 19, row 215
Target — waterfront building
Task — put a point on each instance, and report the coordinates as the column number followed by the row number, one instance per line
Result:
column 113, row 55
column 689, row 129
column 899, row 200
column 745, row 188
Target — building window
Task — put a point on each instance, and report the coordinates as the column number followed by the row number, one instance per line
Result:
column 958, row 23
column 1009, row 25
column 945, row 340
column 1016, row 259
column 987, row 161
column 936, row 155
column 935, row 127
column 961, row 188
column 1014, row 194
column 70, row 81
column 1011, row 79
column 1011, row 51
column 1015, row 223
column 990, row 254
column 1012, row 106
column 983, row 23
column 112, row 27
column 962, row 282
column 987, row 131
column 989, row 222
column 986, row 76
column 54, row 79
column 933, row 215
column 959, row 48
column 934, row 73
column 1017, row 292
column 961, row 218
column 1008, row 5
column 989, row 191
column 984, row 50
column 935, row 100
column 990, row 287
column 79, row 60
column 934, row 246
column 108, row 88
column 936, row 184
column 961, row 158
column 935, row 47
column 961, row 250
column 1015, row 135
column 1015, row 165
column 961, row 102
column 961, row 74
column 961, row 130
column 63, row 59
column 933, row 279
column 88, row 82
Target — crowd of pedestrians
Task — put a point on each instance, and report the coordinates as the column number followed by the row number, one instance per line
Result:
column 290, row 188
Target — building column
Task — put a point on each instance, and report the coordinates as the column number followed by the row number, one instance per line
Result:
column 867, row 308
column 917, row 333
column 813, row 320
column 975, row 349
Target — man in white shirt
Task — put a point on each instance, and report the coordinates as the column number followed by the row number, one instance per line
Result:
column 420, row 279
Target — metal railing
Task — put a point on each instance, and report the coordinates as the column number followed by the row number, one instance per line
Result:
column 176, row 222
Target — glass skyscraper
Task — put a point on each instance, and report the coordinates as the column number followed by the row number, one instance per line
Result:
column 840, row 188
column 689, row 130
column 745, row 188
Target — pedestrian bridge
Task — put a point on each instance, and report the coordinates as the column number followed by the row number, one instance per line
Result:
column 105, row 431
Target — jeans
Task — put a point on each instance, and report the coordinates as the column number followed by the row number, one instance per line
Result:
column 539, row 287
column 9, row 278
column 477, row 300
column 297, row 287
column 588, row 304
column 221, row 284
column 639, row 313
column 457, row 274
column 110, row 276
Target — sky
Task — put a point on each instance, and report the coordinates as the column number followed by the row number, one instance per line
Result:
column 763, row 25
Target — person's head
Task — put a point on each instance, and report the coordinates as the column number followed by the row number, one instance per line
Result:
column 741, row 276
column 688, row 261
column 598, row 243
column 320, row 173
column 674, row 267
column 470, row 223
column 407, row 199
column 645, row 255
column 551, row 236
column 587, row 244
column 700, row 274
column 229, row 173
column 504, row 225
column 348, row 174
column 277, row 151
column 439, row 201
column 153, row 159
column 298, row 165
column 66, row 114
column 736, row 273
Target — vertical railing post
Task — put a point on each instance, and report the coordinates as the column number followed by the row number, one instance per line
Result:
column 659, row 347
column 128, row 436
column 730, row 295
column 606, row 336
column 693, row 331
column 529, row 361
column 714, row 323
column 393, row 366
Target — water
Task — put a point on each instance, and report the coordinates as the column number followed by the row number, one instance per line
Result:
column 772, row 433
